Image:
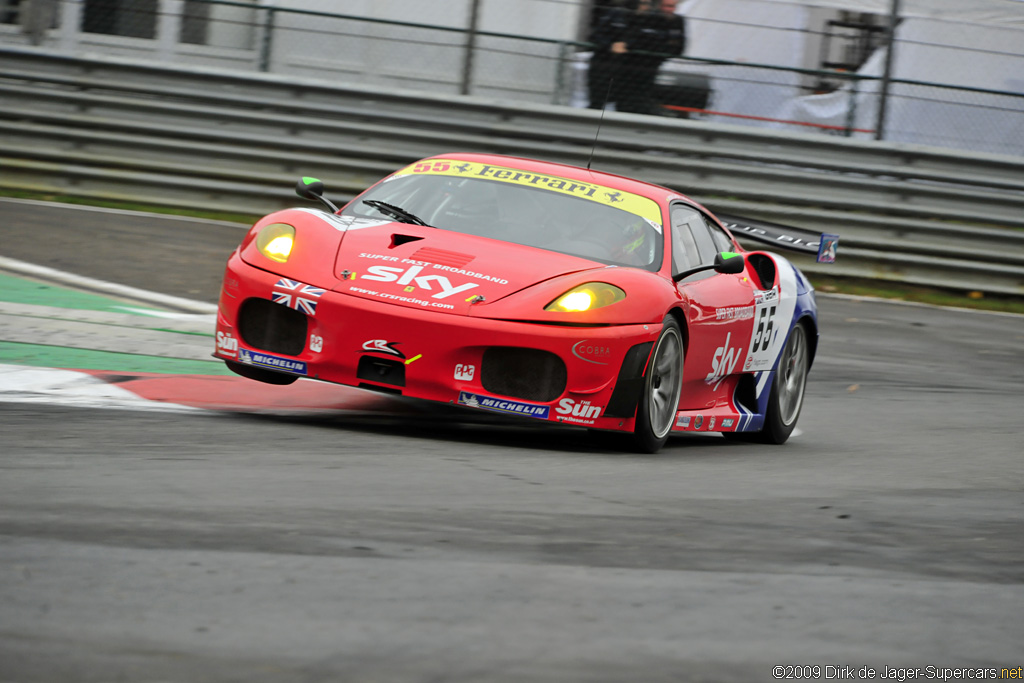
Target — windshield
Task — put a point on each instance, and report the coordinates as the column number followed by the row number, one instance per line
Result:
column 535, row 210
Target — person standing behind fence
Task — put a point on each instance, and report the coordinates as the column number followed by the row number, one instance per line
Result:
column 654, row 34
column 604, row 76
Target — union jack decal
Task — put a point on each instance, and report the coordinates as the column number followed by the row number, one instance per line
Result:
column 295, row 295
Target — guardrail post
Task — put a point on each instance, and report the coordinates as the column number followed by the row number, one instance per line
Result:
column 70, row 24
column 851, row 107
column 267, row 39
column 894, row 17
column 467, row 66
column 559, row 94
column 168, row 28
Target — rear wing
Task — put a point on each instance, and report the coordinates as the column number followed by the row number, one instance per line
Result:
column 783, row 236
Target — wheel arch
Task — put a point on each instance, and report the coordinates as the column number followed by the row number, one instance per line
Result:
column 680, row 317
column 626, row 396
column 811, row 324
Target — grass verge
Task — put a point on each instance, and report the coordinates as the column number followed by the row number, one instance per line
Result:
column 899, row 291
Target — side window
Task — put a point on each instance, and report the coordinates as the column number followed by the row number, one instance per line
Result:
column 696, row 240
column 721, row 238
column 684, row 247
column 705, row 243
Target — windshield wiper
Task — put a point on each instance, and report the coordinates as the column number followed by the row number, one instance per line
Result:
column 396, row 212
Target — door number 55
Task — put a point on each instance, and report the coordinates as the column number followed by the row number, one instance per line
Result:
column 765, row 325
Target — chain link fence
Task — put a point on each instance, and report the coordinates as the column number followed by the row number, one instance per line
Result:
column 458, row 53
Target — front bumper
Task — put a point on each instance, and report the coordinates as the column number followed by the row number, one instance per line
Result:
column 436, row 356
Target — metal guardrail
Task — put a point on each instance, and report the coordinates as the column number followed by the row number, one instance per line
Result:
column 216, row 140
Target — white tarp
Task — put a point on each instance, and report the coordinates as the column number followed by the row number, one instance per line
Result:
column 968, row 43
column 998, row 12
column 762, row 36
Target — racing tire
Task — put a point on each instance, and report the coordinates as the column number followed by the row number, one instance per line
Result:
column 659, row 402
column 787, row 394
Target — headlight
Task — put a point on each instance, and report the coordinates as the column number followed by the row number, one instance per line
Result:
column 586, row 297
column 275, row 241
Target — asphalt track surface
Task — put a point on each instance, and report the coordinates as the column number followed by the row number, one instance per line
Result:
column 416, row 546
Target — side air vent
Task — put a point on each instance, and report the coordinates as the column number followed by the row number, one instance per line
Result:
column 746, row 393
column 765, row 269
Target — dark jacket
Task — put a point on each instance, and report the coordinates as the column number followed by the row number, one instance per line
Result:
column 611, row 28
column 654, row 36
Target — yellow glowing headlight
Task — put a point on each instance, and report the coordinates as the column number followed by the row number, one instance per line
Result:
column 586, row 297
column 275, row 241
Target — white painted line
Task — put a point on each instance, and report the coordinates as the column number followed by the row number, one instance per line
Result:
column 206, row 318
column 916, row 304
column 122, row 212
column 103, row 287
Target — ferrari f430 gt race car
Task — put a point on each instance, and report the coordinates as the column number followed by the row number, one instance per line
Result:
column 531, row 289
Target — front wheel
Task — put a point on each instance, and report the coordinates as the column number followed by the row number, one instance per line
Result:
column 656, row 413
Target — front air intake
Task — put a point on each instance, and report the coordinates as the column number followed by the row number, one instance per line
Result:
column 529, row 374
column 272, row 327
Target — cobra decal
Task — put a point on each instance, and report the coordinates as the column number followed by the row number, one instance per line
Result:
column 591, row 352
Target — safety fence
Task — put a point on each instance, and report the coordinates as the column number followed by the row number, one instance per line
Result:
column 219, row 140
column 456, row 58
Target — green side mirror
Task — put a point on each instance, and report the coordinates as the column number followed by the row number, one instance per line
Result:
column 310, row 188
column 729, row 262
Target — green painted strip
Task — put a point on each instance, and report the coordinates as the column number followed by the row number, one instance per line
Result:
column 35, row 355
column 18, row 290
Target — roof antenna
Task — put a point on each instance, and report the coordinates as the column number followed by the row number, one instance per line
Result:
column 604, row 103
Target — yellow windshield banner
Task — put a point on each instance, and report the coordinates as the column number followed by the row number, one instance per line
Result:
column 633, row 203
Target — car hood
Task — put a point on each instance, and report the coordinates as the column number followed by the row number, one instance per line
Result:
column 437, row 270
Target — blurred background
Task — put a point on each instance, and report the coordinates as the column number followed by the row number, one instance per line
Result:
column 955, row 77
column 897, row 124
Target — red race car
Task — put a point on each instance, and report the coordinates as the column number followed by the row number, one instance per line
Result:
column 533, row 289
